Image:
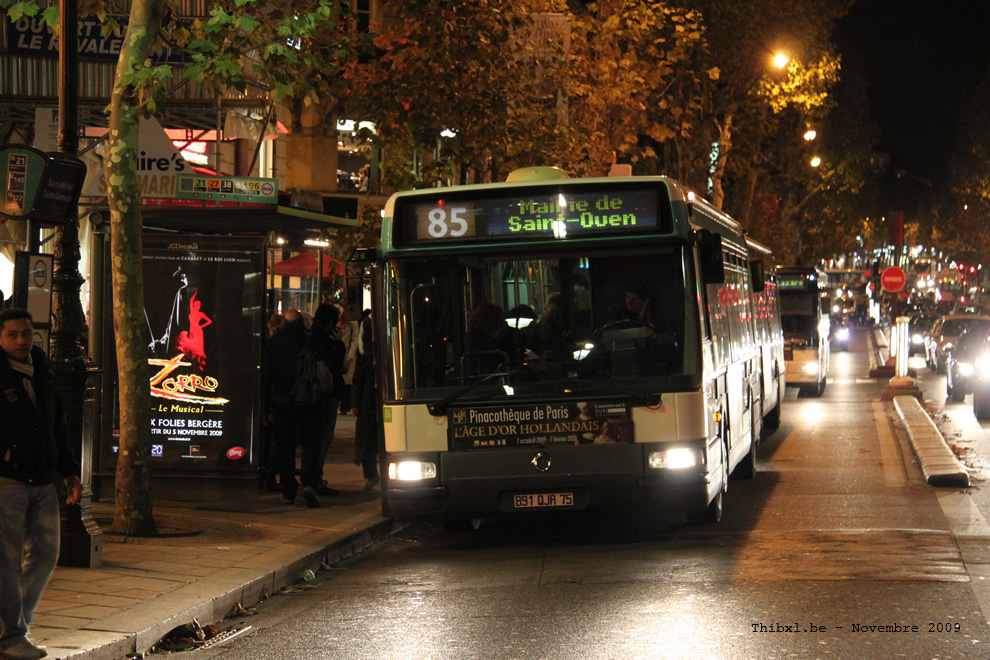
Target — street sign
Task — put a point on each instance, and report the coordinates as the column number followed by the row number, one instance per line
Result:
column 37, row 185
column 892, row 279
column 227, row 188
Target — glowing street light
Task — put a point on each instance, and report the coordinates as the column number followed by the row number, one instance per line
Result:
column 816, row 161
column 810, row 134
column 780, row 60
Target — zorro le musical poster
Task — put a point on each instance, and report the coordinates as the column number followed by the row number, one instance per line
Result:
column 203, row 306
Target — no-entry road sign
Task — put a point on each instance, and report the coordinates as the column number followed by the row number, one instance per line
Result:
column 892, row 279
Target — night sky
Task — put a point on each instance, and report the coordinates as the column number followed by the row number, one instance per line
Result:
column 919, row 57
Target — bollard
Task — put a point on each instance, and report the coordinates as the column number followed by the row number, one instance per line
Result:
column 902, row 341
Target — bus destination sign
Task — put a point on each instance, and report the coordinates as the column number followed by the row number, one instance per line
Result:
column 539, row 215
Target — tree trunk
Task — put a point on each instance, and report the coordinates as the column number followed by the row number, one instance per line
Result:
column 133, row 509
column 724, row 147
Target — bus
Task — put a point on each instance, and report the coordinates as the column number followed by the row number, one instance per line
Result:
column 550, row 344
column 803, row 294
column 769, row 337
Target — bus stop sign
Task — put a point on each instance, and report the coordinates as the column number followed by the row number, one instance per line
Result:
column 892, row 279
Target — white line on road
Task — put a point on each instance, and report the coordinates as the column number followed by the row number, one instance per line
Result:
column 893, row 471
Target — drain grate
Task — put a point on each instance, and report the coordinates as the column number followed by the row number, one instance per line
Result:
column 223, row 637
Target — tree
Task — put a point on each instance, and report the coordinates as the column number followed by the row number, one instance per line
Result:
column 629, row 84
column 963, row 230
column 456, row 81
column 743, row 37
column 818, row 210
column 297, row 50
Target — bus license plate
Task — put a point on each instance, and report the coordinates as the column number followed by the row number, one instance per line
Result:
column 540, row 500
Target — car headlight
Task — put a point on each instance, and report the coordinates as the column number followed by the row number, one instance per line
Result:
column 842, row 334
column 811, row 368
column 965, row 368
column 983, row 366
column 917, row 339
column 412, row 471
column 675, row 458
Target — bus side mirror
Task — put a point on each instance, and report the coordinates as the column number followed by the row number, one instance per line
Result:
column 757, row 276
column 365, row 255
column 710, row 254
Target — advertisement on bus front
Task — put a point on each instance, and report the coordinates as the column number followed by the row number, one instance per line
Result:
column 540, row 425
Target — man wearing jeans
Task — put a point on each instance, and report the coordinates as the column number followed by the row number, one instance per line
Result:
column 33, row 444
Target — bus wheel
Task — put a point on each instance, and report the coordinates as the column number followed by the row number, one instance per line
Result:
column 747, row 466
column 772, row 419
column 819, row 389
column 713, row 513
column 459, row 525
column 981, row 403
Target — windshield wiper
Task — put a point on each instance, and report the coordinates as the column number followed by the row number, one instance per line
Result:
column 439, row 409
column 639, row 397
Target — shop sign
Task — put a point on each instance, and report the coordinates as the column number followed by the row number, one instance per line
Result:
column 31, row 35
column 158, row 164
column 203, row 305
column 540, row 425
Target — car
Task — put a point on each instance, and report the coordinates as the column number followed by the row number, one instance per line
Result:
column 960, row 362
column 838, row 335
column 919, row 328
column 945, row 333
column 981, row 383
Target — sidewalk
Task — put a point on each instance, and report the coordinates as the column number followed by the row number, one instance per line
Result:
column 210, row 558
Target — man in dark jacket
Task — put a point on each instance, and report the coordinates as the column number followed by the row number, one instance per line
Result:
column 33, row 444
column 291, row 421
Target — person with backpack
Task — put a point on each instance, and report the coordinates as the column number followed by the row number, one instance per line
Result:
column 294, row 410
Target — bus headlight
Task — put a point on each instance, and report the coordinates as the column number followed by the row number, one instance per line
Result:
column 675, row 458
column 412, row 471
column 811, row 368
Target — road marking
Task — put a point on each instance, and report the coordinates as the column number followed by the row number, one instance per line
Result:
column 893, row 471
column 963, row 516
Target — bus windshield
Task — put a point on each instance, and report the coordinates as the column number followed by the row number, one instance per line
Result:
column 544, row 324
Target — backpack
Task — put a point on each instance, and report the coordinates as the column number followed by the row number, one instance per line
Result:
column 314, row 382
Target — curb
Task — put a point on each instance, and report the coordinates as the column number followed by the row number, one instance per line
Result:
column 215, row 600
column 939, row 465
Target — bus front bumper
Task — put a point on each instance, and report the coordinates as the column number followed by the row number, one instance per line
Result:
column 511, row 481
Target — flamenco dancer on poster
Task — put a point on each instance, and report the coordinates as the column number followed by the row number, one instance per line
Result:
column 191, row 342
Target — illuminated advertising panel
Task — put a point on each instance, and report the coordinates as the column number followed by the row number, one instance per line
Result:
column 554, row 212
column 203, row 311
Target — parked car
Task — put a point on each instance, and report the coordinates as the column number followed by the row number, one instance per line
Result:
column 919, row 329
column 960, row 361
column 945, row 333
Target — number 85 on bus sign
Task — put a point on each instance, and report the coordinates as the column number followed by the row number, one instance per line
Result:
column 442, row 222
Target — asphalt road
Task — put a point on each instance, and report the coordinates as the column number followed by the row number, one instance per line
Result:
column 836, row 549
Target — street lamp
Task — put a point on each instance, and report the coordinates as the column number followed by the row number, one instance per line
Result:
column 816, row 161
column 780, row 60
column 810, row 135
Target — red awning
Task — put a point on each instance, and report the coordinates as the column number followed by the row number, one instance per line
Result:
column 304, row 265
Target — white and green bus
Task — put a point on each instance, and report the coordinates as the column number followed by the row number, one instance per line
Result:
column 551, row 344
column 804, row 305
